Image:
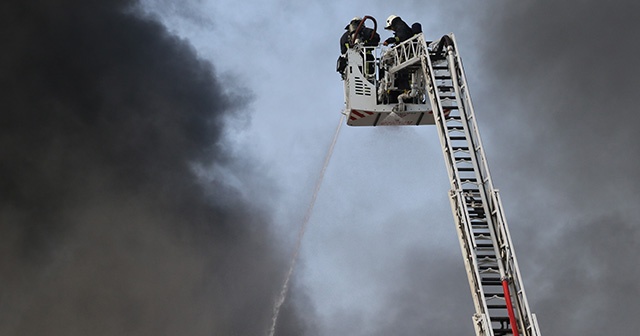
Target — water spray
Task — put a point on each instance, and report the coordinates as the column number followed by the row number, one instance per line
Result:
column 303, row 228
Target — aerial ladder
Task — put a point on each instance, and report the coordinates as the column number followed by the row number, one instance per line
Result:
column 420, row 82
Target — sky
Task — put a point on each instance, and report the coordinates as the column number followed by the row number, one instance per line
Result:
column 158, row 158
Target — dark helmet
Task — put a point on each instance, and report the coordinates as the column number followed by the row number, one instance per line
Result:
column 353, row 24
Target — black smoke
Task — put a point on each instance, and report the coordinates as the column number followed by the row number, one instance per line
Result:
column 116, row 214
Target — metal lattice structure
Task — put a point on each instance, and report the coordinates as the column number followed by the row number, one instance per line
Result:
column 435, row 92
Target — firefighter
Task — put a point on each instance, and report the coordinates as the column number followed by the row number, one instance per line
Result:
column 367, row 36
column 401, row 30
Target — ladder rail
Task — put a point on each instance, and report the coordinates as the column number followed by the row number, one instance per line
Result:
column 503, row 236
column 407, row 53
column 475, row 149
column 477, row 157
column 505, row 258
column 473, row 132
column 467, row 243
column 514, row 271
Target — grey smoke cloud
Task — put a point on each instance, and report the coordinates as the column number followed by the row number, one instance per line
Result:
column 558, row 99
column 107, row 223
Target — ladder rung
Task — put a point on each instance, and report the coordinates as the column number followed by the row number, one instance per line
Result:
column 491, row 282
column 500, row 319
column 485, row 251
column 484, row 267
column 496, row 294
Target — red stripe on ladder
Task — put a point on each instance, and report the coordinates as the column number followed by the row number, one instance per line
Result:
column 512, row 315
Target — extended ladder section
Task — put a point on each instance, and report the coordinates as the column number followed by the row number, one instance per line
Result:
column 494, row 278
column 423, row 83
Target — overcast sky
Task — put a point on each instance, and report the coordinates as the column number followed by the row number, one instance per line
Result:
column 158, row 160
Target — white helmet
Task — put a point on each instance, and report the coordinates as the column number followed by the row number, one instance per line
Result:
column 390, row 20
